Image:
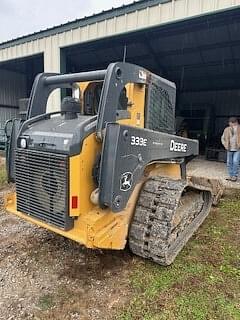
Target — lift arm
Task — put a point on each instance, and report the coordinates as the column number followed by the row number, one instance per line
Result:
column 126, row 153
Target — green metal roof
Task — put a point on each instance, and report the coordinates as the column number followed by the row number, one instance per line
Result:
column 108, row 14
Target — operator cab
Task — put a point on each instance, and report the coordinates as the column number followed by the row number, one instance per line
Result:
column 123, row 93
column 92, row 95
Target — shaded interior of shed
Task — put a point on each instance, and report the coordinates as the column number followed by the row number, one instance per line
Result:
column 16, row 79
column 26, row 68
column 201, row 55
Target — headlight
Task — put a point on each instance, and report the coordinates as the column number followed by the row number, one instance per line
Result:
column 23, row 143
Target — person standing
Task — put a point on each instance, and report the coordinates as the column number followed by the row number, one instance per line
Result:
column 231, row 142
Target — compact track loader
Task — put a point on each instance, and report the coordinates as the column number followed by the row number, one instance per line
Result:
column 106, row 169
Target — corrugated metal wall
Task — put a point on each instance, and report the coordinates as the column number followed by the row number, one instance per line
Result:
column 7, row 113
column 12, row 87
column 225, row 103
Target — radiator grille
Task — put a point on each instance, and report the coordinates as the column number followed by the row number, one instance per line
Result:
column 42, row 187
column 161, row 110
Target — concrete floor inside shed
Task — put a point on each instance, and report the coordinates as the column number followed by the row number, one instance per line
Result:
column 200, row 167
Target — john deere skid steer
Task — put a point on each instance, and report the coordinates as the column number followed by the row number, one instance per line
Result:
column 106, row 169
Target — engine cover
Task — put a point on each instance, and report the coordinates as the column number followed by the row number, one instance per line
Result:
column 56, row 134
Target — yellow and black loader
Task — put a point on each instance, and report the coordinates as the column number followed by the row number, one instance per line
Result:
column 107, row 169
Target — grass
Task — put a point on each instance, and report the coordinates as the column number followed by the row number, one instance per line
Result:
column 203, row 282
column 3, row 176
column 46, row 302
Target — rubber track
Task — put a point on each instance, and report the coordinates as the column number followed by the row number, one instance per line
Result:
column 163, row 223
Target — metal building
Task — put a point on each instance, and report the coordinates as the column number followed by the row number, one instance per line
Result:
column 195, row 43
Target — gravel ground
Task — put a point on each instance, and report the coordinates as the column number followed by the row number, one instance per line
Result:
column 45, row 276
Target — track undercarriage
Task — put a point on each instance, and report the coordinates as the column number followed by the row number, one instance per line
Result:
column 167, row 214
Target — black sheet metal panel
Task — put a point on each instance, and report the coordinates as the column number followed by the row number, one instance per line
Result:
column 42, row 187
column 126, row 153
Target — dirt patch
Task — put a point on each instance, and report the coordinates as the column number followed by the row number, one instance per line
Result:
column 45, row 276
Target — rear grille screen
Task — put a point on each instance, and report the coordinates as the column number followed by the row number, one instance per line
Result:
column 161, row 110
column 42, row 187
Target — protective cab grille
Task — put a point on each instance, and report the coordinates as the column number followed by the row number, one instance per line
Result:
column 161, row 110
column 42, row 187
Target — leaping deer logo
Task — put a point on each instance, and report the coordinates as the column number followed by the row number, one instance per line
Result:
column 126, row 181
